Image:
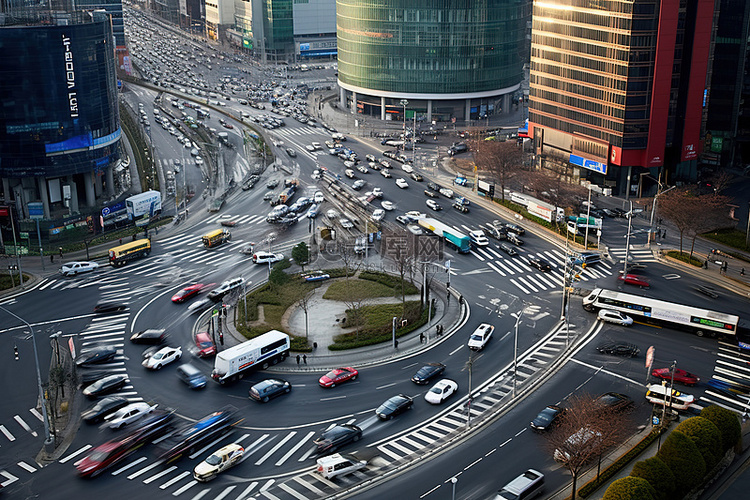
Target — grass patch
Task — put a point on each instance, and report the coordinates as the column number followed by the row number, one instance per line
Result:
column 6, row 283
column 684, row 257
column 730, row 237
column 343, row 290
column 390, row 281
column 377, row 327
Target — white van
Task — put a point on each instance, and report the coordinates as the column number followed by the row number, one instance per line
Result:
column 528, row 485
column 337, row 464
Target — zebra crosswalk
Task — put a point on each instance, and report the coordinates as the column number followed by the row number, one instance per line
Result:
column 729, row 386
column 634, row 254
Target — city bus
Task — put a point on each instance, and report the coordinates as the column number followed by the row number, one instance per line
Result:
column 121, row 255
column 216, row 238
column 654, row 311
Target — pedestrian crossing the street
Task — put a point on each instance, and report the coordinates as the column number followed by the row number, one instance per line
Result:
column 634, row 254
column 729, row 386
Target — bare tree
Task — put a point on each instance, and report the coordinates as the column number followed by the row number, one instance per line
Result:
column 355, row 302
column 503, row 160
column 553, row 187
column 585, row 431
column 721, row 181
column 351, row 260
column 305, row 303
column 693, row 214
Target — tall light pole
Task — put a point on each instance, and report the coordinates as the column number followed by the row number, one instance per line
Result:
column 627, row 241
column 588, row 216
column 653, row 211
column 47, row 439
column 404, row 103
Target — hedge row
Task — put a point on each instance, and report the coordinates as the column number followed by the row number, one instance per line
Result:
column 390, row 281
column 349, row 341
column 616, row 466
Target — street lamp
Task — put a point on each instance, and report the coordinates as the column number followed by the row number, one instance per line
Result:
column 653, row 210
column 515, row 350
column 404, row 103
column 395, row 344
column 627, row 241
column 454, row 480
column 48, row 443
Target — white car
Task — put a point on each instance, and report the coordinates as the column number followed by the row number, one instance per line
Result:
column 346, row 223
column 337, row 464
column 198, row 160
column 129, row 414
column 478, row 238
column 387, row 205
column 163, row 357
column 377, row 192
column 332, row 214
column 386, row 174
column 378, row 214
column 441, row 391
column 402, row 183
column 433, row 205
column 218, row 462
column 74, row 268
column 656, row 393
column 266, row 257
column 616, row 317
column 481, row 336
column 407, row 168
column 414, row 215
column 319, row 198
column 448, row 193
column 349, row 173
column 359, row 184
column 363, row 169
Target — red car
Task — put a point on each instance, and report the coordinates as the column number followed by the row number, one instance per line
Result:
column 680, row 376
column 634, row 279
column 205, row 344
column 338, row 376
column 106, row 455
column 188, row 293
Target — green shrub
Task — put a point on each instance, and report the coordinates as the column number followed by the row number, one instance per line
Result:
column 616, row 466
column 657, row 474
column 353, row 289
column 685, row 257
column 727, row 422
column 706, row 437
column 378, row 326
column 685, row 461
column 390, row 281
column 630, row 488
column 731, row 237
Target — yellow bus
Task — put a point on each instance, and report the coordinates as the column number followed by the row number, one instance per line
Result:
column 216, row 238
column 120, row 255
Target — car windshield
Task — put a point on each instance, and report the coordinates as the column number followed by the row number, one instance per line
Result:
column 205, row 343
column 332, row 374
column 213, row 460
column 335, row 433
column 476, row 337
column 99, row 456
column 437, row 390
column 159, row 355
column 389, row 405
column 424, row 371
column 546, row 416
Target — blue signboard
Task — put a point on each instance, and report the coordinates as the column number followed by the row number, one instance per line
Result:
column 589, row 164
column 113, row 209
column 36, row 210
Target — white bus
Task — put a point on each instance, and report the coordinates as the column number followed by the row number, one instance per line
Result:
column 700, row 321
column 260, row 352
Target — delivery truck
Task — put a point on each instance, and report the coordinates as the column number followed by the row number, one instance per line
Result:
column 261, row 352
column 148, row 204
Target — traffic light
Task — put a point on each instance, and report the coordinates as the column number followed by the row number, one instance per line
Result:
column 492, row 191
column 15, row 352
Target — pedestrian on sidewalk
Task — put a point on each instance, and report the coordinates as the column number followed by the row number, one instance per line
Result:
column 52, row 257
column 298, row 358
column 664, row 234
column 61, row 253
column 304, row 358
column 421, row 338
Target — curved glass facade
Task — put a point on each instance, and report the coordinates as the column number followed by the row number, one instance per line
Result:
column 59, row 107
column 431, row 46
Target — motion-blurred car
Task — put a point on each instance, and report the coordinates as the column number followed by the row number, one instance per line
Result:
column 634, row 279
column 461, row 208
column 614, row 401
column 129, row 414
column 386, row 173
column 108, row 306
column 219, row 461
column 346, row 223
column 416, row 177
column 616, row 317
column 106, row 385
column 402, row 183
column 338, row 376
column 292, row 153
column 106, row 455
column 75, row 268
column 433, row 205
column 540, row 263
column 427, row 373
column 619, row 349
column 358, row 184
column 204, row 344
column 547, row 418
column 337, row 436
column 394, row 406
column 338, row 465
column 387, row 205
column 102, row 408
column 153, row 336
column 430, row 193
column 657, row 394
column 508, row 249
column 441, row 391
column 680, row 376
column 96, row 355
column 316, row 276
column 271, row 184
column 312, row 212
column 163, row 357
column 196, row 435
column 270, row 388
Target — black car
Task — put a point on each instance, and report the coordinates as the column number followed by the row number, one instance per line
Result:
column 106, row 385
column 269, row 388
column 89, row 377
column 394, row 406
column 540, row 263
column 512, row 228
column 108, row 306
column 268, row 197
column 461, row 208
column 96, row 355
column 430, row 193
column 153, row 426
column 337, row 436
column 508, row 249
column 288, row 219
column 151, row 336
column 292, row 153
column 547, row 418
column 498, row 233
column 104, row 407
column 427, row 373
column 619, row 349
column 433, row 186
column 195, row 436
column 614, row 401
column 416, row 177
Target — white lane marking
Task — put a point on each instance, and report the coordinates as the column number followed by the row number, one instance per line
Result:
column 132, row 464
column 226, row 492
column 74, row 454
column 183, row 489
column 275, row 448
column 143, row 471
column 295, row 448
column 36, row 414
column 174, row 480
column 23, row 424
column 163, row 473
column 26, row 466
column 7, row 433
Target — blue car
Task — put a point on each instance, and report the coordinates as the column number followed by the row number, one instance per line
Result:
column 461, row 181
column 316, row 276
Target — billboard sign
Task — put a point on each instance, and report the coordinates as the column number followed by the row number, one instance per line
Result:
column 589, row 164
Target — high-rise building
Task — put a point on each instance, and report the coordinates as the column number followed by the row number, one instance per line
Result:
column 59, row 119
column 448, row 59
column 617, row 89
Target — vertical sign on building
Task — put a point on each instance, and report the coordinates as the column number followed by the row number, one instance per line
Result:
column 70, row 77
